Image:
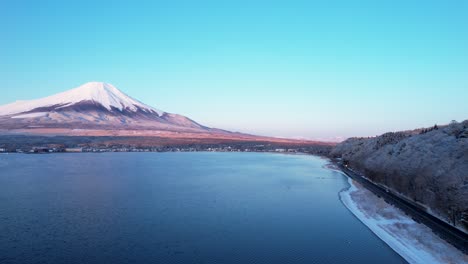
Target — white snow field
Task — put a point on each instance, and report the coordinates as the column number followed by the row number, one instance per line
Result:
column 415, row 242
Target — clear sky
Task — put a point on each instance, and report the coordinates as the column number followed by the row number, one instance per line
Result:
column 314, row 69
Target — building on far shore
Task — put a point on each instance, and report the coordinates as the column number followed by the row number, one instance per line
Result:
column 74, row 150
column 2, row 150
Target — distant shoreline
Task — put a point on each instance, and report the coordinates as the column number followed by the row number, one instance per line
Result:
column 60, row 144
column 181, row 151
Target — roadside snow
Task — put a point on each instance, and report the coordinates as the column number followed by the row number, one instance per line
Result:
column 415, row 242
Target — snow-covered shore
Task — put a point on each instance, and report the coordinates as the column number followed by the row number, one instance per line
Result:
column 415, row 242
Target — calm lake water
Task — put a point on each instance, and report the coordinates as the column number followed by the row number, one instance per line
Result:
column 178, row 208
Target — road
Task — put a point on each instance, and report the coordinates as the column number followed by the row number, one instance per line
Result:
column 447, row 232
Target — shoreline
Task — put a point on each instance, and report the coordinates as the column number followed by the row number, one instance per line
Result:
column 415, row 242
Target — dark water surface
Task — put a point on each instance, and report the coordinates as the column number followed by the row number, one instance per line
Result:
column 178, row 208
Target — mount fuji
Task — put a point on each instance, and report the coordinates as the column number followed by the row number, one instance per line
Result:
column 93, row 106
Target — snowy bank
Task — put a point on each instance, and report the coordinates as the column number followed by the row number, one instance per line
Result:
column 415, row 242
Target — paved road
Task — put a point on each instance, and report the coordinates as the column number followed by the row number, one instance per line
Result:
column 449, row 233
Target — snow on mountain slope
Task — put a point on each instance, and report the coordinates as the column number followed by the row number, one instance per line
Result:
column 101, row 93
column 94, row 105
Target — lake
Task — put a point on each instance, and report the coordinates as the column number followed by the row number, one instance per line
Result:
column 179, row 208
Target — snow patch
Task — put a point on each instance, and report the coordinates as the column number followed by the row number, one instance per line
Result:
column 31, row 115
column 415, row 242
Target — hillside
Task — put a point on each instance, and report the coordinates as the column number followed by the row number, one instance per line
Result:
column 427, row 166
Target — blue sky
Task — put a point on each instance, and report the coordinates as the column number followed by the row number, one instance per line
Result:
column 314, row 69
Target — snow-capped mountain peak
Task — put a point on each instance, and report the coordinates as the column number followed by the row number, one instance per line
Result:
column 95, row 106
column 104, row 94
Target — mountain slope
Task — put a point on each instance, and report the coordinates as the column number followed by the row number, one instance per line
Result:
column 94, row 105
column 429, row 167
